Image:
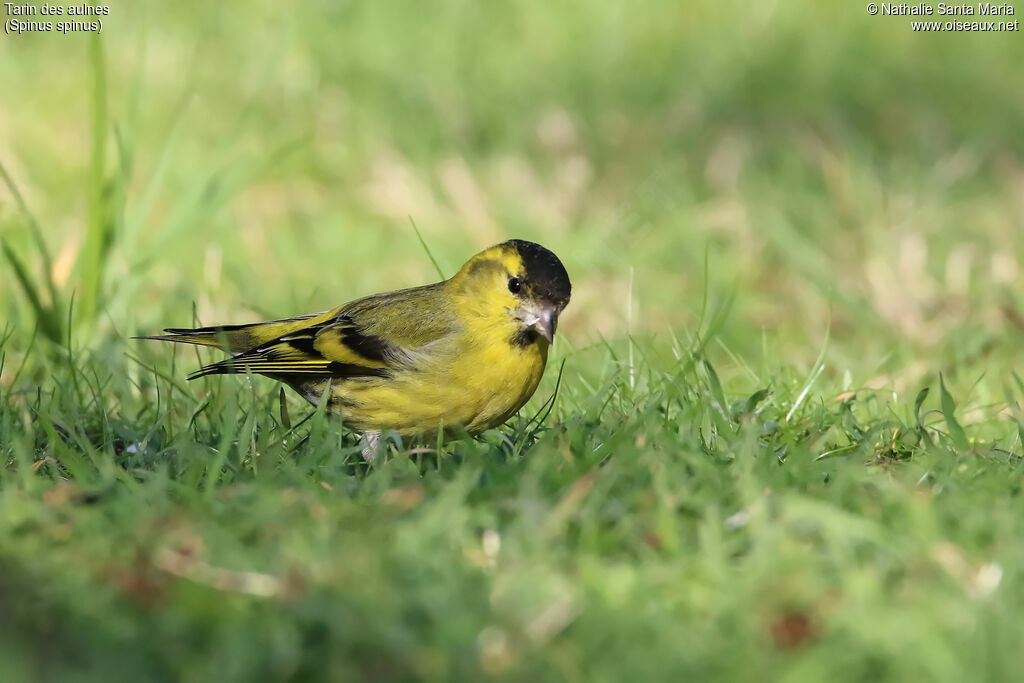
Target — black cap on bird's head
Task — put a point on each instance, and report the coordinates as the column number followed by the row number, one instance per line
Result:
column 545, row 275
column 542, row 286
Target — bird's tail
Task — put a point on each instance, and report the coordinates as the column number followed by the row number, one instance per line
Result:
column 239, row 338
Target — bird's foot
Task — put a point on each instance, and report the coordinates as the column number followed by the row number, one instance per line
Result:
column 371, row 444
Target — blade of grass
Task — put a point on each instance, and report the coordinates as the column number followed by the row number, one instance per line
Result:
column 956, row 431
column 918, row 402
column 97, row 236
column 817, row 369
column 46, row 316
column 286, row 420
column 430, row 255
column 37, row 235
column 629, row 331
column 547, row 406
column 715, row 387
column 26, row 354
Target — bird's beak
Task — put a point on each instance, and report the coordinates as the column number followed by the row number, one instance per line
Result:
column 542, row 317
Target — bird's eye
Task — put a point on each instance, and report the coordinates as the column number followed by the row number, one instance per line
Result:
column 514, row 285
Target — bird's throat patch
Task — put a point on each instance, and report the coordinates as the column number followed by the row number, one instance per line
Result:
column 524, row 337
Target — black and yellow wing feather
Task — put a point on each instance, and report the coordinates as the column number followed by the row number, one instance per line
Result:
column 370, row 337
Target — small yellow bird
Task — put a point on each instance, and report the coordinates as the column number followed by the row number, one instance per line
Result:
column 462, row 354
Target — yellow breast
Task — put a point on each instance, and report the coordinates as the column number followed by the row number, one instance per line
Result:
column 478, row 388
column 475, row 379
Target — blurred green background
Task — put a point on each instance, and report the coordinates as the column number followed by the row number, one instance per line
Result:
column 833, row 175
column 833, row 164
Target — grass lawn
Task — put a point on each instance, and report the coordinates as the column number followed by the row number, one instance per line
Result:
column 781, row 432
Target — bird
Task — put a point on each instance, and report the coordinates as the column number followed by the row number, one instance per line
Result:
column 460, row 355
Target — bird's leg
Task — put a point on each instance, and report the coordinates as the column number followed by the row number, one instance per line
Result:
column 371, row 442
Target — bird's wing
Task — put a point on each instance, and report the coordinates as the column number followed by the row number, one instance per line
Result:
column 371, row 337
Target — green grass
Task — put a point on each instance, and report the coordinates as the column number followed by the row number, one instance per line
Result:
column 788, row 434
